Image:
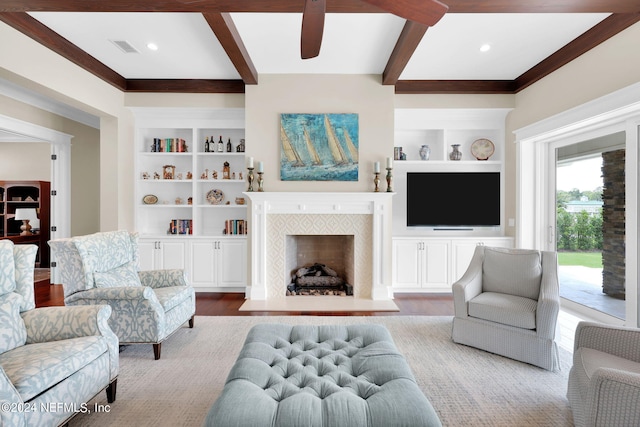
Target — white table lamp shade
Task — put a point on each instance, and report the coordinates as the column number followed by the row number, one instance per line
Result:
column 26, row 214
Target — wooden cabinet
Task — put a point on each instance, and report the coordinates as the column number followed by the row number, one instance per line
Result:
column 432, row 265
column 219, row 263
column 26, row 194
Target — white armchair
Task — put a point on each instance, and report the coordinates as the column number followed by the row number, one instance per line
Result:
column 604, row 381
column 102, row 268
column 507, row 303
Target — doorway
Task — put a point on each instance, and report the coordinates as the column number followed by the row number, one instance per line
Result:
column 589, row 223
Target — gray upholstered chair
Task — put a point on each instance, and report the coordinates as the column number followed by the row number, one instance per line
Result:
column 604, row 381
column 507, row 303
column 102, row 268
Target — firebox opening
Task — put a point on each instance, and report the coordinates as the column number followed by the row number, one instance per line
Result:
column 320, row 264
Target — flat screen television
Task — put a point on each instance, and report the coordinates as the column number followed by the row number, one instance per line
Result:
column 453, row 199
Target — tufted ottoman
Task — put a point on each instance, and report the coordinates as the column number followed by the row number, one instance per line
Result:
column 321, row 376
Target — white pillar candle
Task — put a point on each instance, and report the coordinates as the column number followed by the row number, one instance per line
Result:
column 260, row 169
column 250, row 162
column 389, row 163
column 376, row 167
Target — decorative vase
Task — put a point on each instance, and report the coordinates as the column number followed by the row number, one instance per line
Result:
column 425, row 151
column 456, row 154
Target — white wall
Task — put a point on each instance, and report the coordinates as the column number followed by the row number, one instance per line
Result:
column 303, row 93
column 25, row 161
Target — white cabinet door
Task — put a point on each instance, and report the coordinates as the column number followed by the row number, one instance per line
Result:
column 157, row 254
column 203, row 263
column 407, row 263
column 436, row 270
column 147, row 254
column 232, row 263
column 219, row 263
column 173, row 255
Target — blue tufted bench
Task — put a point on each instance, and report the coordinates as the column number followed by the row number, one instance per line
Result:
column 321, row 376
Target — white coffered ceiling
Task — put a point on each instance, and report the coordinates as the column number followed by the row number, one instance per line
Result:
column 353, row 43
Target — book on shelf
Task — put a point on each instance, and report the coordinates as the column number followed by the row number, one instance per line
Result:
column 181, row 226
column 235, row 226
column 169, row 145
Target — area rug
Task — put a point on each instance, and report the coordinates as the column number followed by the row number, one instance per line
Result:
column 466, row 386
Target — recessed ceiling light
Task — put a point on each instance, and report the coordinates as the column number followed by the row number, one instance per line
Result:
column 485, row 47
column 152, row 46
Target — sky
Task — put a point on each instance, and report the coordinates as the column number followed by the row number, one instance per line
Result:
column 584, row 175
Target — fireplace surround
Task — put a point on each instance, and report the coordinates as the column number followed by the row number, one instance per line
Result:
column 275, row 216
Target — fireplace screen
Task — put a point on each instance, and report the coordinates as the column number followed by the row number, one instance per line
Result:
column 320, row 264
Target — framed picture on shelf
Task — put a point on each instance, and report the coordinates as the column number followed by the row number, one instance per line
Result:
column 168, row 172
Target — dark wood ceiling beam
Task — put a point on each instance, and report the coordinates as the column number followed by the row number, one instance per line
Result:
column 213, row 6
column 454, row 86
column 52, row 40
column 543, row 6
column 408, row 41
column 333, row 6
column 228, row 36
column 185, row 85
column 604, row 30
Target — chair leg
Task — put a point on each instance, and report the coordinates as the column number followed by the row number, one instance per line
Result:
column 191, row 321
column 111, row 391
column 156, row 350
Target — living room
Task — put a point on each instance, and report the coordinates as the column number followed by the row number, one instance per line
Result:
column 608, row 71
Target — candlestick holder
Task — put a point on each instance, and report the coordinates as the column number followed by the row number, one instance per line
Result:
column 376, row 181
column 250, row 179
column 260, row 182
column 389, row 180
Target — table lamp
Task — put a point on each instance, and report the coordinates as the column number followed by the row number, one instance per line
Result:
column 25, row 215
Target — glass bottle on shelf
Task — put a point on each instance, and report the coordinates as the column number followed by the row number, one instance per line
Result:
column 206, row 145
column 229, row 145
column 220, row 145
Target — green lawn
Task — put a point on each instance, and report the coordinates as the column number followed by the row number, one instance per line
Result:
column 586, row 259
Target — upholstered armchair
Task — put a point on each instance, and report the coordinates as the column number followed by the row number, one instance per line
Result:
column 507, row 302
column 53, row 360
column 604, row 381
column 102, row 268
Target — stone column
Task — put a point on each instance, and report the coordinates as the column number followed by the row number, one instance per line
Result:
column 613, row 223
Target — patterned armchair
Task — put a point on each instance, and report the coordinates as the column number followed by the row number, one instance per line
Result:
column 54, row 359
column 604, row 381
column 102, row 268
column 507, row 302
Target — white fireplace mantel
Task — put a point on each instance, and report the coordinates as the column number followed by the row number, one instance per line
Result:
column 378, row 205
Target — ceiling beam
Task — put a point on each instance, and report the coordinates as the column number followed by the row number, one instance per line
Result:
column 408, row 41
column 228, row 36
column 52, row 40
column 412, row 87
column 185, row 85
column 602, row 31
column 296, row 6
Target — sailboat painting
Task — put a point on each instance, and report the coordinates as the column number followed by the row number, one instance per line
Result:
column 319, row 147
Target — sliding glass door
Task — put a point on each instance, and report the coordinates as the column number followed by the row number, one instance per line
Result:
column 587, row 221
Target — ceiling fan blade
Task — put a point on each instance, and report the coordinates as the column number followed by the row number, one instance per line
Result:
column 427, row 12
column 312, row 28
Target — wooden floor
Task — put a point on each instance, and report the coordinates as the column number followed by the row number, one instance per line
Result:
column 227, row 304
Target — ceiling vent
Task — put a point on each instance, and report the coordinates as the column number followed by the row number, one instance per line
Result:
column 125, row 46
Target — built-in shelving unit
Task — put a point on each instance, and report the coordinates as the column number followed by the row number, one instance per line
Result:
column 426, row 259
column 188, row 197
